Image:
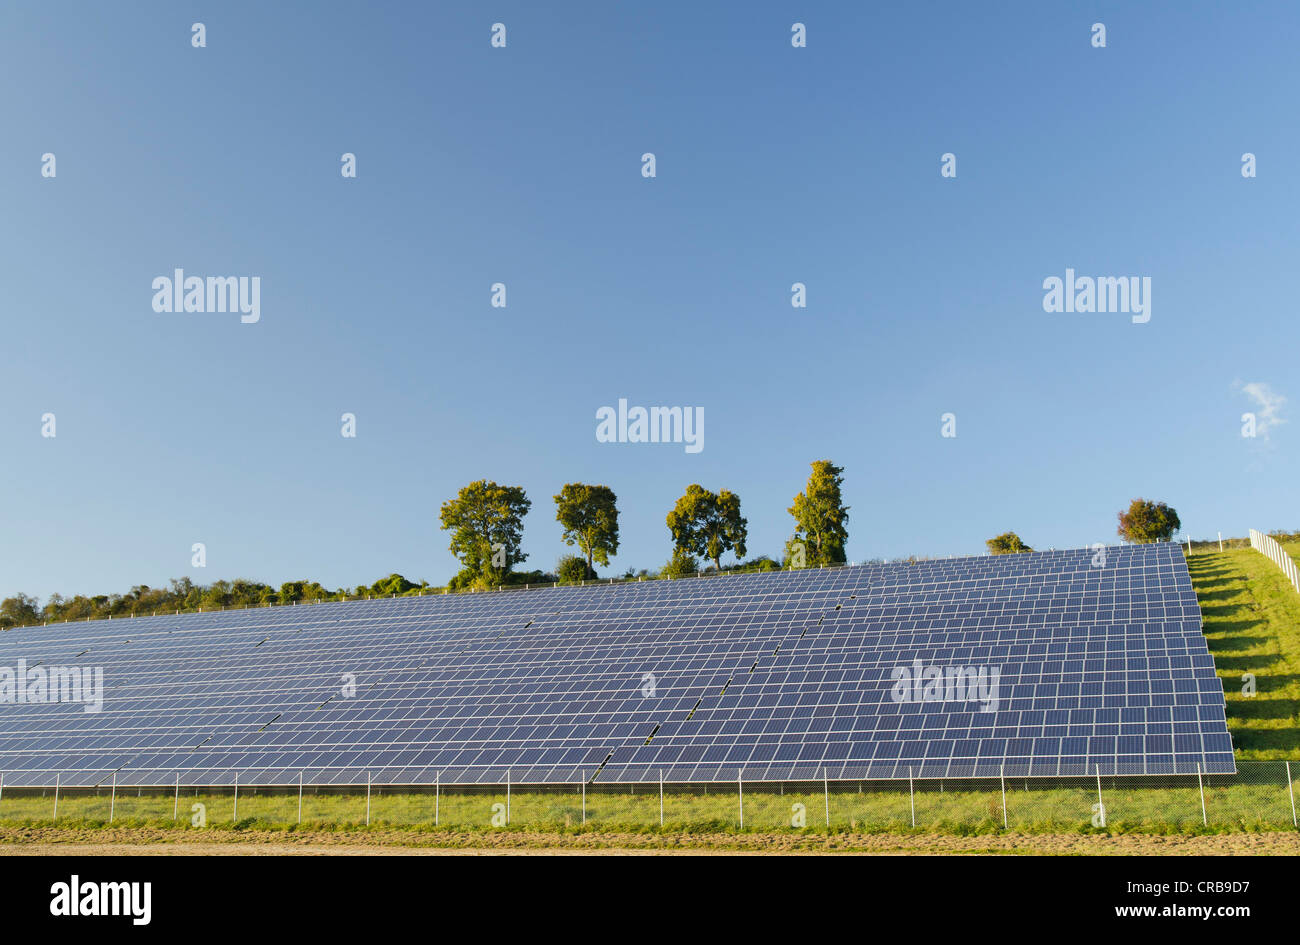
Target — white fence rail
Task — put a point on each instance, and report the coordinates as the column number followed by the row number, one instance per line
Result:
column 1267, row 546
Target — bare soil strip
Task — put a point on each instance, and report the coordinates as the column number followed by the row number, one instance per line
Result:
column 143, row 841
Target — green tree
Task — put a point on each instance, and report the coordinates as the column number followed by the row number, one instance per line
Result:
column 1008, row 543
column 486, row 522
column 706, row 524
column 245, row 593
column 820, row 515
column 217, row 595
column 681, row 564
column 19, row 611
column 393, row 584
column 1146, row 522
column 312, row 590
column 573, row 569
column 589, row 515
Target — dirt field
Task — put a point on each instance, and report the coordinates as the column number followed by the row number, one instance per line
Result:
column 44, row 841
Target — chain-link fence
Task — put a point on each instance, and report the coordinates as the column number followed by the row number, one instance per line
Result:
column 1261, row 796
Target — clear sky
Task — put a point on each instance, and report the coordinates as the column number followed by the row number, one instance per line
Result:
column 522, row 165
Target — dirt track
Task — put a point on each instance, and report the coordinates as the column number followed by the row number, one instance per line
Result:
column 44, row 841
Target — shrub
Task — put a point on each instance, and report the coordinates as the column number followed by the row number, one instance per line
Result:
column 681, row 564
column 573, row 569
column 1008, row 543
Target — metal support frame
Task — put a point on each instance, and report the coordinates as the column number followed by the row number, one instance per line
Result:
column 1291, row 790
column 1101, row 805
column 1205, row 820
column 1002, row 776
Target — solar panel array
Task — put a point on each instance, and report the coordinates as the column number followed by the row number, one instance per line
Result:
column 1048, row 664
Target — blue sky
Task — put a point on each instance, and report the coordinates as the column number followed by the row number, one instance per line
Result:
column 522, row 165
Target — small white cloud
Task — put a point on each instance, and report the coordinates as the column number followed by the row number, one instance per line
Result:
column 1269, row 404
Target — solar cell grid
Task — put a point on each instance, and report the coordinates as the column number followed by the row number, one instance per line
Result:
column 774, row 676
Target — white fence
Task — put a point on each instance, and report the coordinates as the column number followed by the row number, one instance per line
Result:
column 1275, row 553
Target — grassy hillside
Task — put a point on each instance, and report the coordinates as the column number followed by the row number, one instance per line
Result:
column 1252, row 623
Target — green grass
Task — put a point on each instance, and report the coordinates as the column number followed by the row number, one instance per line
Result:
column 1252, row 625
column 1258, row 800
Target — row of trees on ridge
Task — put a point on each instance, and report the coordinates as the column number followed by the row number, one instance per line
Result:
column 1141, row 523
column 485, row 522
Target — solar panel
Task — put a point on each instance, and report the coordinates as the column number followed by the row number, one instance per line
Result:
column 1027, row 665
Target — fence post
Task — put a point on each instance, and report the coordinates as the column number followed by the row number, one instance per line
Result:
column 437, row 792
column 56, row 797
column 234, row 817
column 176, row 804
column 584, row 798
column 1101, row 805
column 911, row 796
column 826, row 787
column 2, row 785
column 1205, row 821
column 507, row 797
column 112, row 799
column 661, row 796
column 1289, row 789
column 367, row 798
column 740, row 790
column 1002, row 776
column 299, row 797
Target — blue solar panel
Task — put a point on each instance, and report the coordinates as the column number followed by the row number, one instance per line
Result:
column 777, row 676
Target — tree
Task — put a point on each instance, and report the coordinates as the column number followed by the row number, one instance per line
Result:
column 486, row 522
column 681, row 564
column 393, row 585
column 19, row 611
column 1145, row 522
column 1008, row 543
column 573, row 570
column 589, row 516
column 217, row 595
column 706, row 524
column 820, row 514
